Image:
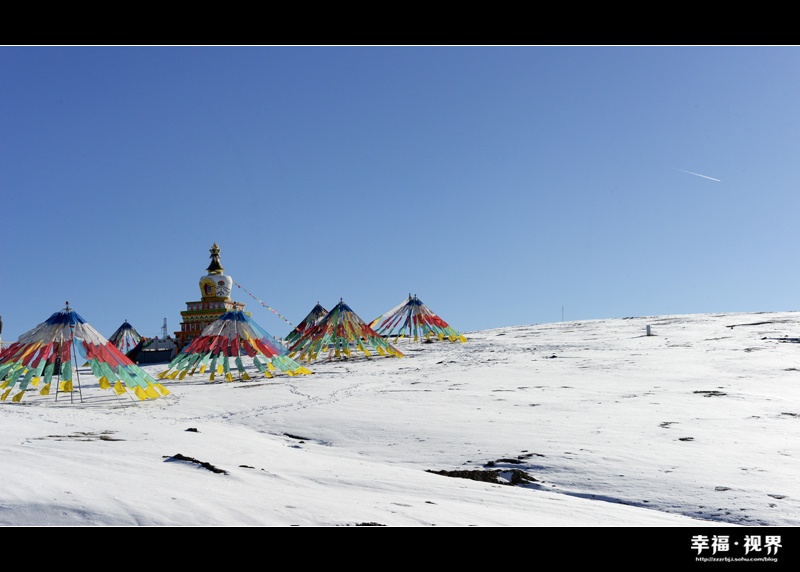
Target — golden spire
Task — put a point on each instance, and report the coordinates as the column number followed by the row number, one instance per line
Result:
column 215, row 267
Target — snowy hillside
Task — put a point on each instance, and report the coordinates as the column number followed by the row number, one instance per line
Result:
column 697, row 423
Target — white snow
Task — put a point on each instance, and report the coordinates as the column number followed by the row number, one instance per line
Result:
column 697, row 424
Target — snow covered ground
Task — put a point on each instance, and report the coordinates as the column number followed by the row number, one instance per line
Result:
column 697, row 424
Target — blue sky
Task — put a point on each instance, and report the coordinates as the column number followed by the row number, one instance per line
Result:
column 502, row 185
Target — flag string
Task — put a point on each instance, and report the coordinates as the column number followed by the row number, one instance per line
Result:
column 270, row 308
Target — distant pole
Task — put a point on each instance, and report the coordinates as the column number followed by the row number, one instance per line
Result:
column 75, row 361
column 562, row 313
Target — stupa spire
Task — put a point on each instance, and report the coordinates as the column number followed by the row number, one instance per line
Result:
column 215, row 267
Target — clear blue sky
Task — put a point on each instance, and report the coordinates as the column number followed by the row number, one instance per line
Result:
column 502, row 185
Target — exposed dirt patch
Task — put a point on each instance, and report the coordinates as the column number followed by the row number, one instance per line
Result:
column 203, row 464
column 751, row 324
column 84, row 436
column 495, row 476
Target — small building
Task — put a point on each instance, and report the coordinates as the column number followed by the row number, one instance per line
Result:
column 215, row 292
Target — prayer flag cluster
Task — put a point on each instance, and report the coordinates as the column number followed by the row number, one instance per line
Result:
column 233, row 335
column 49, row 350
column 413, row 318
column 339, row 332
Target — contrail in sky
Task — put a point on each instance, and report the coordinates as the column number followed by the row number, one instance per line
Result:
column 698, row 174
